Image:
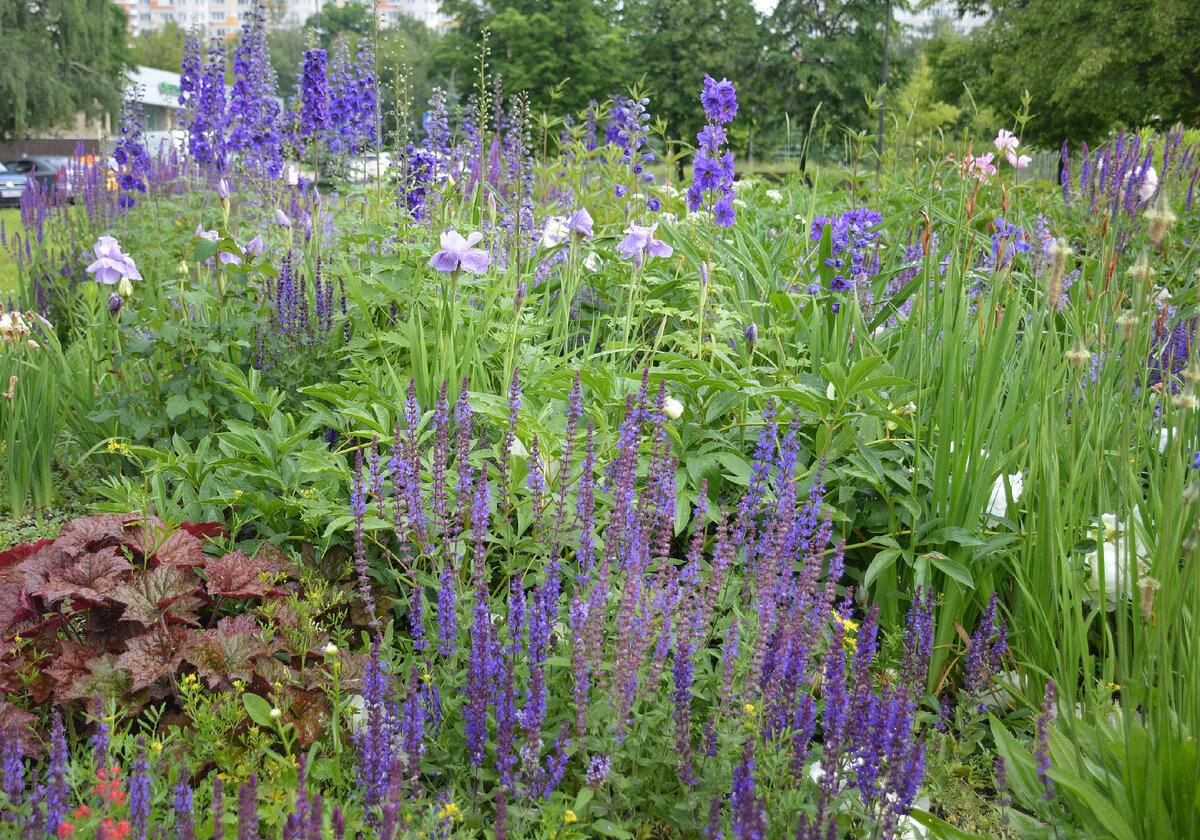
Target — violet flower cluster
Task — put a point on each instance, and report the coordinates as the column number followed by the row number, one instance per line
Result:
column 851, row 260
column 254, row 115
column 712, row 168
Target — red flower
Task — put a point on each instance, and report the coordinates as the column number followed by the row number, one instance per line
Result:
column 66, row 829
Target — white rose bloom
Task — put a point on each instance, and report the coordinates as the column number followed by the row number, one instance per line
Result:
column 673, row 408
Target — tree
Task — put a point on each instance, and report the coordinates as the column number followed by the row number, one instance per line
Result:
column 536, row 44
column 61, row 57
column 827, row 53
column 674, row 43
column 1114, row 63
column 160, row 48
column 353, row 20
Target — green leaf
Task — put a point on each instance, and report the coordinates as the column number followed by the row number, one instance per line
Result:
column 177, row 406
column 259, row 710
column 951, row 568
column 882, row 561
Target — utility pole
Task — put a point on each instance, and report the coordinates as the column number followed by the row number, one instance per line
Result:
column 887, row 29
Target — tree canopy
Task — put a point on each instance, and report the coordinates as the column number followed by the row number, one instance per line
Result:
column 60, row 57
column 1089, row 65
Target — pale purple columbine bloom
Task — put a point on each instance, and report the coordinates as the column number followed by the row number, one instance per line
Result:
column 580, row 223
column 225, row 257
column 459, row 253
column 255, row 247
column 111, row 264
column 639, row 243
column 281, row 218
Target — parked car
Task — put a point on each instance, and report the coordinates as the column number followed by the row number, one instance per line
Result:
column 78, row 172
column 12, row 184
column 46, row 169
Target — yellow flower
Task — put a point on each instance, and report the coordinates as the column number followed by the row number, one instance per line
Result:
column 570, row 817
column 749, row 708
column 426, row 678
column 156, row 746
column 450, row 810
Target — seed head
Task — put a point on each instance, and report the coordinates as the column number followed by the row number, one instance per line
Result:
column 1186, row 399
column 1147, row 586
column 1158, row 220
column 1128, row 321
column 1078, row 355
column 1060, row 255
column 1140, row 271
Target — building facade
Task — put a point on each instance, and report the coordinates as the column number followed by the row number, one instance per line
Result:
column 223, row 18
column 940, row 13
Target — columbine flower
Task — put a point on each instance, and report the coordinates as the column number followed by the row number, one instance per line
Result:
column 579, row 223
column 255, row 247
column 997, row 505
column 1113, row 556
column 554, row 232
column 1149, row 184
column 111, row 264
column 639, row 243
column 459, row 253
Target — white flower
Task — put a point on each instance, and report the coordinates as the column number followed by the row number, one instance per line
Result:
column 997, row 505
column 737, row 202
column 275, row 714
column 1111, row 558
column 593, row 263
column 555, row 231
column 1149, row 184
column 673, row 408
column 775, row 195
column 330, row 649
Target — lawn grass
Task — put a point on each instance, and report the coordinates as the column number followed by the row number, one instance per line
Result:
column 11, row 219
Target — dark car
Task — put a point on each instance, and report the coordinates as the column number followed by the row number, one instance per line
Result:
column 12, row 184
column 47, row 169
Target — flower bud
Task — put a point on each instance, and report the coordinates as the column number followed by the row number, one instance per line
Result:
column 330, row 649
column 1147, row 586
column 1191, row 493
column 281, row 219
column 275, row 713
column 673, row 408
column 114, row 303
column 223, row 189
column 751, row 333
column 182, row 268
column 124, row 287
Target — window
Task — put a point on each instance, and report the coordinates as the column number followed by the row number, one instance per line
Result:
column 217, row 17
